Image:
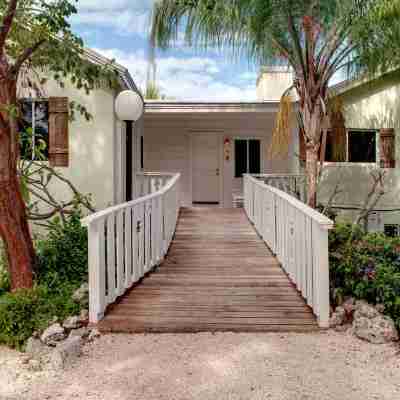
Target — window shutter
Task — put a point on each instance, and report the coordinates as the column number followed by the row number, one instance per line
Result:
column 58, row 132
column 387, row 148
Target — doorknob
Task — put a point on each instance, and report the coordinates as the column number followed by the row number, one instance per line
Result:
column 217, row 171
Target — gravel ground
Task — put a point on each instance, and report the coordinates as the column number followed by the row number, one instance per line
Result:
column 218, row 366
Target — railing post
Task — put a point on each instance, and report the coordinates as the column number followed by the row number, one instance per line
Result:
column 96, row 271
column 322, row 258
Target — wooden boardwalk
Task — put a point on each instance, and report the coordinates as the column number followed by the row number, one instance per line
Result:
column 217, row 276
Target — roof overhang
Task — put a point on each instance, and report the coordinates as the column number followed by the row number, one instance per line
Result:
column 125, row 77
column 156, row 107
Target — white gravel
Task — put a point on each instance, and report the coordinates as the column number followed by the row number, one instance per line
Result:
column 218, row 366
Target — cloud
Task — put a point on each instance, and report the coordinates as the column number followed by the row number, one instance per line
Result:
column 189, row 78
column 123, row 16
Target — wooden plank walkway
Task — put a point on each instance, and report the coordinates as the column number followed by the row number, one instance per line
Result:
column 218, row 276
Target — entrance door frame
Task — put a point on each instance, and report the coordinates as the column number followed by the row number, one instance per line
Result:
column 220, row 136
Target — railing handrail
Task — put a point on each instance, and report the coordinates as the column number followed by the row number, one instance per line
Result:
column 151, row 173
column 279, row 175
column 322, row 220
column 298, row 236
column 104, row 213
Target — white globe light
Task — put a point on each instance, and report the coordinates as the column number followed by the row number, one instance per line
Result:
column 129, row 106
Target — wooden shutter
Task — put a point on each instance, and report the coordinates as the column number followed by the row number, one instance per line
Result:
column 58, row 132
column 387, row 148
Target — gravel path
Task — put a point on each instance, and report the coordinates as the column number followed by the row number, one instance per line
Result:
column 218, row 366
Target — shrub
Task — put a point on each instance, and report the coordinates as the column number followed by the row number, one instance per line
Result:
column 366, row 266
column 62, row 254
column 62, row 267
column 29, row 310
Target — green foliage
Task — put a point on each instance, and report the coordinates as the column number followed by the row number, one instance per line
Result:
column 267, row 31
column 29, row 310
column 42, row 45
column 62, row 254
column 153, row 92
column 62, row 268
column 379, row 36
column 366, row 266
column 4, row 275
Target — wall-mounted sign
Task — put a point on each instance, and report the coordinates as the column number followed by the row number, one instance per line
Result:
column 227, row 149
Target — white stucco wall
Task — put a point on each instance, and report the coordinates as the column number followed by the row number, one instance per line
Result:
column 371, row 106
column 273, row 82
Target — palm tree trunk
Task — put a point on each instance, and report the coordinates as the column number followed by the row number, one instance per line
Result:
column 312, row 175
column 313, row 121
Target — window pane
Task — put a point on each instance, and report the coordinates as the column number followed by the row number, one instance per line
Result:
column 254, row 157
column 329, row 150
column 392, row 230
column 240, row 158
column 25, row 130
column 37, row 134
column 362, row 146
column 42, row 128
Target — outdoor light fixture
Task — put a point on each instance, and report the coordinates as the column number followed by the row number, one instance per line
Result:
column 129, row 108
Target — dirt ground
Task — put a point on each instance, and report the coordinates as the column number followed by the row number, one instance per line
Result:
column 209, row 366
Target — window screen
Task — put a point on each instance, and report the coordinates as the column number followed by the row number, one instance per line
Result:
column 34, row 130
column 240, row 158
column 247, row 157
column 254, row 157
column 362, row 146
column 392, row 230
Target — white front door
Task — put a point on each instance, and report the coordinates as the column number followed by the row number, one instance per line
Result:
column 205, row 168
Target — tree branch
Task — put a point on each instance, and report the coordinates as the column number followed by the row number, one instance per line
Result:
column 373, row 197
column 27, row 53
column 7, row 23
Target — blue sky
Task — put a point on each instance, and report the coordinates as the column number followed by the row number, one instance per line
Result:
column 119, row 29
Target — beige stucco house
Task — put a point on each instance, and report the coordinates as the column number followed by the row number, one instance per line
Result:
column 213, row 144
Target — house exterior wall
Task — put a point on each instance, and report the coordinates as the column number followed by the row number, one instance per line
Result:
column 167, row 145
column 372, row 105
column 92, row 146
column 273, row 82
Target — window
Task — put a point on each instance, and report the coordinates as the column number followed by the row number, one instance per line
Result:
column 360, row 147
column 247, row 157
column 34, row 129
column 392, row 230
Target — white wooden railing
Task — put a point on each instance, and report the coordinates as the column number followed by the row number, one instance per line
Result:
column 150, row 182
column 126, row 241
column 298, row 236
column 293, row 184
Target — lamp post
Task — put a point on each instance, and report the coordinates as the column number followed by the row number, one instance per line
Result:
column 129, row 108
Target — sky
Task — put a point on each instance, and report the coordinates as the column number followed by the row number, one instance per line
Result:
column 119, row 29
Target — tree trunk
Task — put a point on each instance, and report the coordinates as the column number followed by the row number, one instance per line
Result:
column 313, row 120
column 312, row 175
column 14, row 228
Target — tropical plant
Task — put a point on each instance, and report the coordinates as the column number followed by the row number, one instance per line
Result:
column 153, row 92
column 36, row 41
column 315, row 38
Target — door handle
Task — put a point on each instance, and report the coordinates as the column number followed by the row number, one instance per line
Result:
column 217, row 171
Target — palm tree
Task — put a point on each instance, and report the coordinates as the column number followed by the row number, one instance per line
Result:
column 313, row 37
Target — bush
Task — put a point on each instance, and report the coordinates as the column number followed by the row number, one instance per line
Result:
column 366, row 266
column 62, row 268
column 62, row 255
column 26, row 311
